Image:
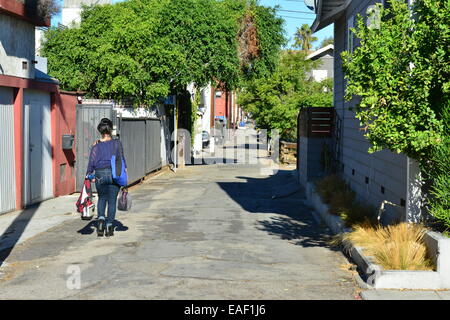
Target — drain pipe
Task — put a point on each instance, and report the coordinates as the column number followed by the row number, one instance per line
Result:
column 382, row 209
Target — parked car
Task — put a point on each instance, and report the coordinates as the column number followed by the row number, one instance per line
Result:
column 205, row 139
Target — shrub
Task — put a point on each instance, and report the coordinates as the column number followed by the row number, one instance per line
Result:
column 396, row 247
column 439, row 172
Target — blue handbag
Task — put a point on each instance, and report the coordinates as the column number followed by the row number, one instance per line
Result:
column 119, row 174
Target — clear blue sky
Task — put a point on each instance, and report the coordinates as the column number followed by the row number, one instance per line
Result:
column 293, row 20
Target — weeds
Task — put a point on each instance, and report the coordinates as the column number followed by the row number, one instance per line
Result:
column 335, row 192
column 329, row 186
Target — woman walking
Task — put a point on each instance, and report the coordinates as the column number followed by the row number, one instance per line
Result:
column 107, row 189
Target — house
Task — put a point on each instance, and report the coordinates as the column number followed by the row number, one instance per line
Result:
column 374, row 177
column 325, row 68
column 71, row 11
column 216, row 108
column 34, row 114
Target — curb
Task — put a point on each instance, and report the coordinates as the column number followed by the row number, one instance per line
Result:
column 371, row 275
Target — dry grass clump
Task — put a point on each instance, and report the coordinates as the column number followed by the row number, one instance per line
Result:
column 357, row 213
column 329, row 186
column 396, row 247
column 335, row 192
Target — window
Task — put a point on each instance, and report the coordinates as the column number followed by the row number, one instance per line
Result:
column 319, row 75
column 350, row 34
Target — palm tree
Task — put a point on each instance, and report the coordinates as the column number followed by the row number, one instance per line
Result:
column 303, row 38
column 326, row 42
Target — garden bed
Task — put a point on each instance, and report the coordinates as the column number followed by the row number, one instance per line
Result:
column 438, row 247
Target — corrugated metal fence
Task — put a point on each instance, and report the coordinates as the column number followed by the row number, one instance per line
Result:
column 7, row 161
column 88, row 117
column 141, row 140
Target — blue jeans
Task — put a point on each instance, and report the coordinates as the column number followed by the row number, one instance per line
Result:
column 107, row 191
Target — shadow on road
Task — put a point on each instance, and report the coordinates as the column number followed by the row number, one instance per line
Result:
column 292, row 220
column 91, row 227
column 11, row 236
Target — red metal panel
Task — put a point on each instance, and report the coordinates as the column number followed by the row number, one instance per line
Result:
column 220, row 109
column 63, row 122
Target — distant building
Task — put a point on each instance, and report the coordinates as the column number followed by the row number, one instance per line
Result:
column 71, row 11
column 325, row 69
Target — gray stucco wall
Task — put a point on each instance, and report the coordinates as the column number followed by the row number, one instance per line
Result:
column 16, row 46
column 383, row 169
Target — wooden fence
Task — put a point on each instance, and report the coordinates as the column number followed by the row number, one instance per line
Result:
column 316, row 122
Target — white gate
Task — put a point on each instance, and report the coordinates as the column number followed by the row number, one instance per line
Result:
column 7, row 163
column 37, row 147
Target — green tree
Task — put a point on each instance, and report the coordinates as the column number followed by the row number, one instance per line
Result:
column 148, row 49
column 326, row 41
column 275, row 101
column 115, row 53
column 303, row 38
column 401, row 73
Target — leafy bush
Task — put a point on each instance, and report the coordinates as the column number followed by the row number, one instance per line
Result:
column 396, row 247
column 439, row 172
column 401, row 72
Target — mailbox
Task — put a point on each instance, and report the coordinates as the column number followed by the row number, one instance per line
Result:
column 67, row 141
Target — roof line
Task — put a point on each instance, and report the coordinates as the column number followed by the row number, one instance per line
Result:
column 322, row 22
column 320, row 51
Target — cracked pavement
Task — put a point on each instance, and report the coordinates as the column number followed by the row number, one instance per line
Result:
column 206, row 232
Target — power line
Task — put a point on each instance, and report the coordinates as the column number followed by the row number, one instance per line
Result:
column 305, row 12
column 295, row 1
column 311, row 19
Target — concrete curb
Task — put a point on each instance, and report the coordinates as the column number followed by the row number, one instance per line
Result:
column 373, row 275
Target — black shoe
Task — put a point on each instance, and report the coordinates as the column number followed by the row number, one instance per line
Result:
column 109, row 230
column 101, row 227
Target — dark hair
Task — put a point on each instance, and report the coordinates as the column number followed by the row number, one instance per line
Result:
column 105, row 126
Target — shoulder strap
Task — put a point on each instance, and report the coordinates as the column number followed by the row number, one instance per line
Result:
column 116, row 149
